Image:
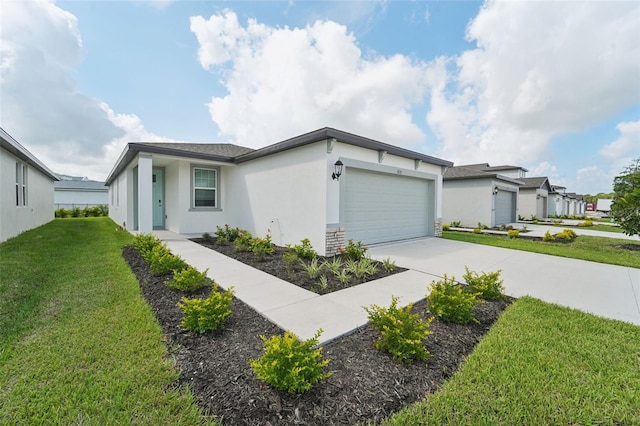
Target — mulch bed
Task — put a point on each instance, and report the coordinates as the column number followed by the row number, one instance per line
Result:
column 367, row 385
column 273, row 264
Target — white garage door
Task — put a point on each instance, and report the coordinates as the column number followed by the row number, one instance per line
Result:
column 382, row 207
column 505, row 207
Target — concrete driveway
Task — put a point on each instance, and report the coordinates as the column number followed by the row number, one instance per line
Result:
column 604, row 290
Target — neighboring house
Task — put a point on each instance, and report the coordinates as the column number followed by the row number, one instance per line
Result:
column 533, row 197
column 557, row 204
column 72, row 192
column 26, row 189
column 384, row 192
column 476, row 193
column 577, row 205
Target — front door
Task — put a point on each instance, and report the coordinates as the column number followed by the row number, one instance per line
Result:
column 158, row 198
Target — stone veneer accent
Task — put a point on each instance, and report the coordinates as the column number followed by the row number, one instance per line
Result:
column 437, row 229
column 334, row 239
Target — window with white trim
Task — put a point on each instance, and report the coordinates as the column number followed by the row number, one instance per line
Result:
column 205, row 188
column 21, row 184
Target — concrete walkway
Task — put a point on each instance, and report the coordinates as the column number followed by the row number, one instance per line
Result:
column 605, row 290
column 540, row 230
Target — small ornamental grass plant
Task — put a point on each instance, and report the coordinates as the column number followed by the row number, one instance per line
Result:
column 313, row 268
column 403, row 333
column 487, row 286
column 189, row 279
column 451, row 302
column 353, row 251
column 388, row 265
column 162, row 262
column 208, row 314
column 290, row 364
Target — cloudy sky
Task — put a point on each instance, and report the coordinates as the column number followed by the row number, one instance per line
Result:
column 550, row 86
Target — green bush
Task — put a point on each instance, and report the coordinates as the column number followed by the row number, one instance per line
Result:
column 388, row 265
column 513, row 233
column 334, row 265
column 207, row 314
column 354, row 251
column 403, row 333
column 243, row 241
column 304, row 250
column 189, row 279
column 455, row 224
column 61, row 212
column 548, row 237
column 313, row 268
column 477, row 230
column 290, row 364
column 76, row 212
column 586, row 223
column 487, row 286
column 227, row 234
column 144, row 243
column 453, row 304
column 362, row 268
column 445, row 227
column 162, row 262
column 344, row 277
column 261, row 246
column 567, row 235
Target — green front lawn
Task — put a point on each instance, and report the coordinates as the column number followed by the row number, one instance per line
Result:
column 78, row 344
column 595, row 249
column 595, row 227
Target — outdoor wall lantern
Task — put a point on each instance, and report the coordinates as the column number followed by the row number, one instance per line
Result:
column 495, row 190
column 337, row 170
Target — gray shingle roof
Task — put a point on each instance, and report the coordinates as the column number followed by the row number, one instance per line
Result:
column 216, row 149
column 465, row 172
column 535, row 182
column 487, row 168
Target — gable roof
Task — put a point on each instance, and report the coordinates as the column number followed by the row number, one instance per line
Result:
column 465, row 172
column 536, row 182
column 487, row 168
column 11, row 145
column 80, row 185
column 236, row 154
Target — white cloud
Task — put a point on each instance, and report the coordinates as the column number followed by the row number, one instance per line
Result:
column 549, row 170
column 627, row 144
column 281, row 82
column 540, row 69
column 42, row 108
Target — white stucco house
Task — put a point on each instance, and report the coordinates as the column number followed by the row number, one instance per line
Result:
column 26, row 189
column 478, row 193
column 289, row 189
column 72, row 192
column 533, row 197
column 558, row 202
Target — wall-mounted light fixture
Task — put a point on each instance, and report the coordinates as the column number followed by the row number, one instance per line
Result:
column 337, row 170
column 538, row 196
column 495, row 190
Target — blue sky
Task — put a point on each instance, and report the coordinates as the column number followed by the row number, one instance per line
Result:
column 550, row 86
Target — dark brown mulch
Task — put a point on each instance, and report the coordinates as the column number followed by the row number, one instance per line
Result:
column 366, row 386
column 295, row 274
column 632, row 247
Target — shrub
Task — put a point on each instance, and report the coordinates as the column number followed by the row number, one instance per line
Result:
column 334, row 265
column 455, row 224
column 290, row 257
column 304, row 250
column 313, row 268
column 243, row 241
column 362, row 268
column 290, row 364
column 162, row 262
column 448, row 300
column 261, row 246
column 482, row 226
column 207, row 314
column 403, row 333
column 61, row 212
column 534, row 217
column 477, row 231
column 513, row 233
column 104, row 210
column 586, row 223
column 227, row 234
column 487, row 286
column 189, row 279
column 445, row 227
column 344, row 277
column 144, row 243
column 567, row 235
column 354, row 251
column 75, row 212
column 548, row 237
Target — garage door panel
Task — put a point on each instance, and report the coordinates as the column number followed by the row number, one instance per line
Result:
column 383, row 207
column 505, row 207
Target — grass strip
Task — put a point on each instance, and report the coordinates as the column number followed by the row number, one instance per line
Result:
column 541, row 364
column 78, row 343
column 594, row 249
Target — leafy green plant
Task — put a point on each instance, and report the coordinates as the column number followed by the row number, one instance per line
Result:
column 354, row 251
column 290, row 257
column 520, row 217
column 445, row 227
column 344, row 277
column 243, row 241
column 388, row 265
column 61, row 212
column 261, row 246
column 403, row 333
column 453, row 304
column 290, row 364
column 206, row 236
column 162, row 262
column 534, row 217
column 477, row 230
column 312, row 269
column 548, row 237
column 513, row 233
column 586, row 223
column 144, row 243
column 323, row 283
column 75, row 212
column 227, row 234
column 482, row 226
column 455, row 224
column 626, row 199
column 363, row 268
column 304, row 250
column 208, row 314
column 334, row 265
column 487, row 286
column 189, row 279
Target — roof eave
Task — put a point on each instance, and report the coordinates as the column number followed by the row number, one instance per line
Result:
column 12, row 146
